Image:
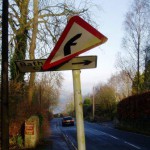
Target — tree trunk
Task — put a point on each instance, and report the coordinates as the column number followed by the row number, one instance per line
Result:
column 32, row 49
column 21, row 42
column 138, row 65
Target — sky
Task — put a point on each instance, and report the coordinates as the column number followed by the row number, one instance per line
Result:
column 110, row 19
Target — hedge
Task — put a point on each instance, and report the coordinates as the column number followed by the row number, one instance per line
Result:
column 135, row 111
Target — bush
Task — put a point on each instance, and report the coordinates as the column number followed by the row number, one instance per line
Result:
column 134, row 112
column 40, row 119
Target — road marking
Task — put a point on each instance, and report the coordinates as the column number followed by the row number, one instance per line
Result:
column 137, row 147
column 109, row 135
column 67, row 138
column 112, row 136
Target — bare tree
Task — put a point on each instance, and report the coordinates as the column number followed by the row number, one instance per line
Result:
column 18, row 17
column 35, row 31
column 47, row 89
column 137, row 31
column 122, row 84
column 105, row 99
column 126, row 65
column 33, row 47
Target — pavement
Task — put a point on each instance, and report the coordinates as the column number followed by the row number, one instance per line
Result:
column 55, row 141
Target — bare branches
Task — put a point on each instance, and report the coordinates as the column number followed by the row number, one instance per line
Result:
column 35, row 32
column 137, row 29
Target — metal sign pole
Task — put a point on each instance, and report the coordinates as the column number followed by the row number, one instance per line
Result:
column 78, row 110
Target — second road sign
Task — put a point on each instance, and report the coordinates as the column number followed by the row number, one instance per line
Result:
column 84, row 62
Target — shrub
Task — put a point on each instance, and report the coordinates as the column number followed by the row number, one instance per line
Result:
column 134, row 112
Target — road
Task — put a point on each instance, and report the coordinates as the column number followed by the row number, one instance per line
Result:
column 100, row 137
column 56, row 139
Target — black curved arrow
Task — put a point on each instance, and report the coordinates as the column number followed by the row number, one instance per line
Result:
column 71, row 42
column 85, row 62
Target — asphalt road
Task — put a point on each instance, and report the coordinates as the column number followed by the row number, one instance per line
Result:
column 101, row 137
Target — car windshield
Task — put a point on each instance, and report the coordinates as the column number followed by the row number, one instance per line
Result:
column 68, row 118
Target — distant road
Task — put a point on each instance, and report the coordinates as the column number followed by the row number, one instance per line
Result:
column 99, row 137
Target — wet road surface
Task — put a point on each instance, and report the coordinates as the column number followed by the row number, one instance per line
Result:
column 102, row 137
column 98, row 137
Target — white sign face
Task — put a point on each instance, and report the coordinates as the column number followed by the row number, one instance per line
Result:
column 77, row 38
column 84, row 40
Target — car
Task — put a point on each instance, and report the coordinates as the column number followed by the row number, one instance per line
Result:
column 67, row 121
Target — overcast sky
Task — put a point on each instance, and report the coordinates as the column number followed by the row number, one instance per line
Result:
column 110, row 20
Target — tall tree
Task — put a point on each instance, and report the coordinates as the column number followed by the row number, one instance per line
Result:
column 105, row 97
column 18, row 17
column 137, row 31
column 36, row 29
column 147, row 69
column 33, row 47
column 122, row 84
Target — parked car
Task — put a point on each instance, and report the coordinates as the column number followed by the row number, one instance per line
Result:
column 67, row 121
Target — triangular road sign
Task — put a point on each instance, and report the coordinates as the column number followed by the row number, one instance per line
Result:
column 77, row 37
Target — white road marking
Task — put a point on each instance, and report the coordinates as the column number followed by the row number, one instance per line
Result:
column 109, row 135
column 67, row 138
column 137, row 147
column 113, row 136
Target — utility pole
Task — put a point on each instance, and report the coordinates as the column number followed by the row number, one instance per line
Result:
column 93, row 103
column 79, row 110
column 40, row 98
column 4, row 80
